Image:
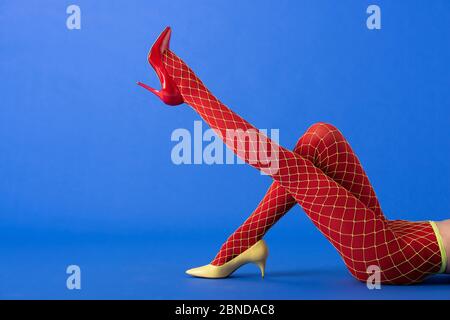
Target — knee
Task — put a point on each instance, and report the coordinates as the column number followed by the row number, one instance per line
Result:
column 318, row 137
column 321, row 129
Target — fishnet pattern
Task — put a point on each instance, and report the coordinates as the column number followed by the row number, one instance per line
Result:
column 405, row 252
column 325, row 146
column 272, row 207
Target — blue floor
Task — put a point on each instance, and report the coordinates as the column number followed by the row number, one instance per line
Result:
column 150, row 265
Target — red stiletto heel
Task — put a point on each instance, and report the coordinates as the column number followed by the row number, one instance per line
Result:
column 169, row 92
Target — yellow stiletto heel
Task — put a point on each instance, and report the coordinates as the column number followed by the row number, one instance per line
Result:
column 262, row 266
column 256, row 254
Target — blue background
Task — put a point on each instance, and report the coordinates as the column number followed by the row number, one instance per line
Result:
column 85, row 171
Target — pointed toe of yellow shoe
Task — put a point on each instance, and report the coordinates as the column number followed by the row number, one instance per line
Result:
column 196, row 272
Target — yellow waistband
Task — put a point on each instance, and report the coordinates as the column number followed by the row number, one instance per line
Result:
column 441, row 247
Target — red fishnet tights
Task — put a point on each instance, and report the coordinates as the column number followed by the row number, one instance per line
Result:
column 335, row 194
column 327, row 149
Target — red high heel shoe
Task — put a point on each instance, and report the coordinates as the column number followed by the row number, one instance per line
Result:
column 169, row 92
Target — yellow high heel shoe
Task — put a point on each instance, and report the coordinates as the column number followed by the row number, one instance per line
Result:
column 256, row 254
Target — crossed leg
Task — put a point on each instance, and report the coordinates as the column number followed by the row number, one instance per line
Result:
column 405, row 252
column 326, row 147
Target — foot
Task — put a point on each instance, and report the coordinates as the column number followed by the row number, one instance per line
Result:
column 256, row 254
column 169, row 92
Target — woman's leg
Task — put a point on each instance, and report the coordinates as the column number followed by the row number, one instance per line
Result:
column 326, row 147
column 362, row 237
column 275, row 204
